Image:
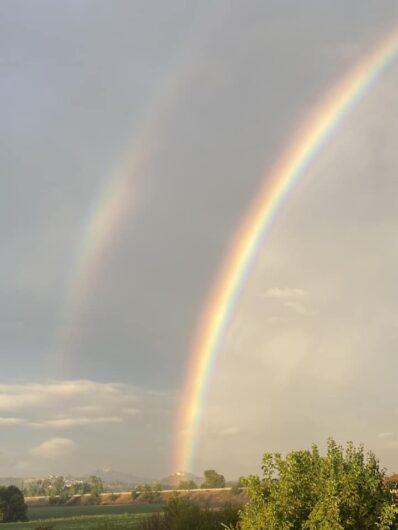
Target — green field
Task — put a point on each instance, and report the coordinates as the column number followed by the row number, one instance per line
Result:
column 85, row 517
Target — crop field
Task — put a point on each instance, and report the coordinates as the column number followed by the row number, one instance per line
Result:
column 85, row 517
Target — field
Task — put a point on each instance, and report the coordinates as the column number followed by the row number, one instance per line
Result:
column 116, row 516
column 85, row 517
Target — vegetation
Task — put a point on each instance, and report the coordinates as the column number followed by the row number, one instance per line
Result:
column 147, row 492
column 344, row 490
column 98, row 522
column 182, row 514
column 120, row 517
column 187, row 485
column 42, row 513
column 12, row 505
column 213, row 480
column 61, row 489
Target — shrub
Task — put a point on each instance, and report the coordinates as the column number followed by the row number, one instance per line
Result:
column 182, row 514
column 343, row 490
column 12, row 505
column 187, row 485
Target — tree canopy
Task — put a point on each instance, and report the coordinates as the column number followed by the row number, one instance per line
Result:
column 187, row 485
column 343, row 490
column 213, row 479
column 12, row 505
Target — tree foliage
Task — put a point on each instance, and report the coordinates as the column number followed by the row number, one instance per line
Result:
column 148, row 492
column 213, row 479
column 12, row 505
column 96, row 485
column 187, row 485
column 343, row 490
column 181, row 513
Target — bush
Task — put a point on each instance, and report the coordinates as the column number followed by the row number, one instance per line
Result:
column 187, row 485
column 12, row 505
column 343, row 490
column 150, row 493
column 182, row 514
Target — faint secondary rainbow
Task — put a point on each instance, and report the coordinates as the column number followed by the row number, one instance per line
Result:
column 111, row 207
column 117, row 198
column 304, row 147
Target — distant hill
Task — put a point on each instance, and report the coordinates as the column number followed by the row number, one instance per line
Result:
column 172, row 481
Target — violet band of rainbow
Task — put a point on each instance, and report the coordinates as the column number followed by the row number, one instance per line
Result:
column 320, row 125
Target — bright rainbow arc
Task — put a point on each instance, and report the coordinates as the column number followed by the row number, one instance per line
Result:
column 306, row 144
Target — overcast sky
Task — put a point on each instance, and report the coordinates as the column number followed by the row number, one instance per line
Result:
column 211, row 92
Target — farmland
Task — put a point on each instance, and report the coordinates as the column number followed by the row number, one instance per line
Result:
column 85, row 517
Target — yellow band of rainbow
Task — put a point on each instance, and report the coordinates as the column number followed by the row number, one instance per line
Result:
column 234, row 270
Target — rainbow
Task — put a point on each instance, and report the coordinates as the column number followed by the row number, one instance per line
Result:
column 114, row 204
column 117, row 199
column 233, row 273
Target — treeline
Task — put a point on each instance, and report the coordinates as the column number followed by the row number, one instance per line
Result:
column 150, row 492
column 62, row 488
column 212, row 480
column 345, row 489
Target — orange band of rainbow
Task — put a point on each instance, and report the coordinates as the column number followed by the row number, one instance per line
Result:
column 234, row 270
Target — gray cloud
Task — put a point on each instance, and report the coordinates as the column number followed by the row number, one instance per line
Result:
column 311, row 348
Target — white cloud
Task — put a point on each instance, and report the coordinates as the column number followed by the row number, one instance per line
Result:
column 68, row 423
column 11, row 421
column 384, row 435
column 17, row 396
column 69, row 404
column 54, row 448
column 276, row 292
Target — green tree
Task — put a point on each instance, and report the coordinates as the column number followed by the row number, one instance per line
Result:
column 213, row 480
column 343, row 490
column 150, row 492
column 58, row 485
column 96, row 485
column 187, row 485
column 12, row 505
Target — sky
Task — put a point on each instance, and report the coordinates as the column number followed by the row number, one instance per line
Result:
column 183, row 108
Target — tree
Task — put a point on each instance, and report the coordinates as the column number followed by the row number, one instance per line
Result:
column 187, row 485
column 150, row 492
column 96, row 485
column 12, row 505
column 344, row 490
column 213, row 480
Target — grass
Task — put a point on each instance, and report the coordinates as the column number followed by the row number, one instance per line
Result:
column 82, row 522
column 119, row 517
column 45, row 512
column 183, row 514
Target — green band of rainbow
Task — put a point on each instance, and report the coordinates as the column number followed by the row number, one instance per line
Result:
column 235, row 269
